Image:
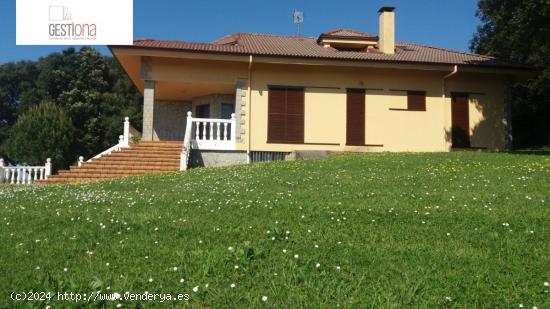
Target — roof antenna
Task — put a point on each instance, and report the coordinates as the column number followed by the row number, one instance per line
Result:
column 298, row 19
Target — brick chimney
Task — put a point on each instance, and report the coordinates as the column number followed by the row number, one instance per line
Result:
column 386, row 41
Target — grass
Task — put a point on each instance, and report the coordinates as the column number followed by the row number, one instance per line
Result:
column 456, row 230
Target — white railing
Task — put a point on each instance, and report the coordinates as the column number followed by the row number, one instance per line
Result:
column 207, row 134
column 123, row 142
column 186, row 149
column 19, row 175
column 213, row 134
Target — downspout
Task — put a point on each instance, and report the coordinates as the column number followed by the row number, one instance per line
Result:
column 249, row 105
column 443, row 91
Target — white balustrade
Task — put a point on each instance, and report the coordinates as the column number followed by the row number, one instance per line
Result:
column 19, row 175
column 209, row 134
column 123, row 141
column 213, row 134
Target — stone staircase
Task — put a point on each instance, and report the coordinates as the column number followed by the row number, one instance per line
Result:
column 143, row 158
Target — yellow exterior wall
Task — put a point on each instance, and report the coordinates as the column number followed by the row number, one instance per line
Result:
column 487, row 109
column 325, row 100
column 325, row 108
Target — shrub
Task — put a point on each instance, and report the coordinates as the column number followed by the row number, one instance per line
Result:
column 44, row 131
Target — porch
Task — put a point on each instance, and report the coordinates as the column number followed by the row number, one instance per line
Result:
column 207, row 115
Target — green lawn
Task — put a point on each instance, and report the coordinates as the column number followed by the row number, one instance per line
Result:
column 380, row 230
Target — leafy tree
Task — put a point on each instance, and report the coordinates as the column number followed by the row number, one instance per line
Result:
column 43, row 131
column 519, row 31
column 92, row 89
column 16, row 84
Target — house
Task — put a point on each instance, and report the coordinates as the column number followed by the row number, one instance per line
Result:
column 249, row 96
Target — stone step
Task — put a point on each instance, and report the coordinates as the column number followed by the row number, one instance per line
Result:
column 152, row 159
column 144, row 155
column 118, row 169
column 127, row 165
column 159, row 144
column 142, row 158
column 104, row 173
column 151, row 151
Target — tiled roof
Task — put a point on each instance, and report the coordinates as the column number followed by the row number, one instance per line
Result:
column 243, row 43
column 348, row 33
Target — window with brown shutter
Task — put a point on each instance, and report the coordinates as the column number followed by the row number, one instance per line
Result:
column 285, row 122
column 416, row 100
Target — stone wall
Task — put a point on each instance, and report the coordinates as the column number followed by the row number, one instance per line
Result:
column 215, row 101
column 169, row 120
column 211, row 158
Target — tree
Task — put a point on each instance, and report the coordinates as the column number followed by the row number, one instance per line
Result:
column 519, row 31
column 92, row 89
column 44, row 131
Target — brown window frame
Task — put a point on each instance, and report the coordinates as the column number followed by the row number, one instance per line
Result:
column 411, row 104
column 287, row 137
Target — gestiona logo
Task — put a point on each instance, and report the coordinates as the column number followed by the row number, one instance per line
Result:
column 63, row 27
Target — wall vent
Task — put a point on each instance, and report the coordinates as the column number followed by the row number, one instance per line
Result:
column 267, row 156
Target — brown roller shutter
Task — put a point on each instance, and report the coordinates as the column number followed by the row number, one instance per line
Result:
column 416, row 100
column 285, row 115
column 355, row 117
column 460, row 116
column 295, row 115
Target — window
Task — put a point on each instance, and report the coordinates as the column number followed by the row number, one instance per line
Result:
column 285, row 115
column 416, row 100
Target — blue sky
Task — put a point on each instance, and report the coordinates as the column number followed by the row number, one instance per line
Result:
column 448, row 24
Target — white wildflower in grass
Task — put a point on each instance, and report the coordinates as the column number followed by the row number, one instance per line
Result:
column 520, row 305
column 232, row 285
column 231, row 249
column 448, row 298
column 337, row 267
column 196, row 289
column 107, row 264
column 296, row 256
column 546, row 284
column 182, row 280
column 317, row 265
column 236, row 266
column 175, row 268
column 264, row 298
column 284, row 250
column 65, row 269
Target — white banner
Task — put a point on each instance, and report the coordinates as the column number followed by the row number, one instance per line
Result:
column 74, row 22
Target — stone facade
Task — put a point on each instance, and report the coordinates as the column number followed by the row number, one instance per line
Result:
column 212, row 158
column 148, row 109
column 240, row 109
column 170, row 119
column 215, row 102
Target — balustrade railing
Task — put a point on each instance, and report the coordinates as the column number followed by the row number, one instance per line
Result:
column 213, row 134
column 18, row 175
column 207, row 134
column 123, row 141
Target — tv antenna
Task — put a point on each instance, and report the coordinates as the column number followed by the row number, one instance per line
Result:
column 298, row 19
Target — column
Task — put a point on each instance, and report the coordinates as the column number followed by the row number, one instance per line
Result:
column 148, row 106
